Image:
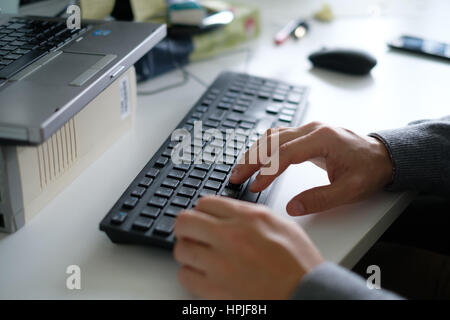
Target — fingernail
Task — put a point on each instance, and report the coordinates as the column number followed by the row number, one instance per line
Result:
column 235, row 171
column 296, row 208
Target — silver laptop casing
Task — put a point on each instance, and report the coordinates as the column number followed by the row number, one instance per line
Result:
column 41, row 98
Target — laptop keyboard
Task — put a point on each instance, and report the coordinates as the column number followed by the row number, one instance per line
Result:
column 147, row 210
column 25, row 40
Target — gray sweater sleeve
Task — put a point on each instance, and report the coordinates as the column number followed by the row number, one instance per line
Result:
column 331, row 282
column 420, row 153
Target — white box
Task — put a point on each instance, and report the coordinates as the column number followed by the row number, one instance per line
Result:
column 31, row 176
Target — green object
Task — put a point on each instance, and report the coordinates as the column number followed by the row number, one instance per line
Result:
column 244, row 27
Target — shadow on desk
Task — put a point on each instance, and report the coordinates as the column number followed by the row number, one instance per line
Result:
column 343, row 81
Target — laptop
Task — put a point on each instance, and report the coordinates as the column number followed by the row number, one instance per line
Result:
column 49, row 72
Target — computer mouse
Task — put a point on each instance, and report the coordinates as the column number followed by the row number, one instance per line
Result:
column 350, row 61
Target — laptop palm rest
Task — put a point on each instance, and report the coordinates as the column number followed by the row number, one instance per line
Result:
column 73, row 69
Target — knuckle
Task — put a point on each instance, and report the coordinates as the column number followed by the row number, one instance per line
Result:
column 314, row 124
column 326, row 131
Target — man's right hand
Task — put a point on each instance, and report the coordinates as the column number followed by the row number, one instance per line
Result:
column 357, row 166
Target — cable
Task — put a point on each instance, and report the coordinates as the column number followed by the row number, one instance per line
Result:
column 186, row 76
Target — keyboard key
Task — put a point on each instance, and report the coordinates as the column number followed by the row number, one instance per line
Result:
column 146, row 182
column 119, row 218
column 231, row 152
column 218, row 115
column 157, row 202
column 264, row 95
column 164, row 192
column 239, row 109
column 142, row 223
column 246, row 125
column 176, row 174
column 229, row 124
column 130, row 202
column 191, row 182
column 230, row 193
column 200, row 174
column 12, row 56
column 152, row 173
column 285, row 118
column 203, row 166
column 21, row 63
column 202, row 109
column 214, row 185
column 172, row 144
column 207, row 102
column 278, row 97
column 224, row 105
column 211, row 123
column 219, row 176
column 182, row 166
column 197, row 115
column 234, row 186
column 170, row 183
column 5, row 62
column 181, row 201
column 161, row 162
column 294, row 98
column 273, row 108
column 222, row 168
column 288, row 112
column 165, row 225
column 138, row 192
column 207, row 192
column 234, row 117
column 173, row 211
column 187, row 192
column 151, row 212
column 167, row 153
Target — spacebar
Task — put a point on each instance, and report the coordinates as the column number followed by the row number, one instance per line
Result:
column 21, row 63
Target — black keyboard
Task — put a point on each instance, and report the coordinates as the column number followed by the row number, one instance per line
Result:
column 25, row 40
column 147, row 210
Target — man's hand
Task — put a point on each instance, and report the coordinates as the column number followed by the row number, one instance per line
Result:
column 357, row 166
column 231, row 249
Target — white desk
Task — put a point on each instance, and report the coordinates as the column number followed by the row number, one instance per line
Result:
column 401, row 88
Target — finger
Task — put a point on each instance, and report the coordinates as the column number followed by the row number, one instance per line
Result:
column 193, row 254
column 320, row 198
column 293, row 152
column 196, row 226
column 221, row 207
column 243, row 171
column 196, row 282
column 251, row 160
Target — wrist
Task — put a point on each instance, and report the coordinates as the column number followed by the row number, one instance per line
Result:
column 383, row 160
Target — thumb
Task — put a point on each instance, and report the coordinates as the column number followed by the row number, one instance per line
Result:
column 318, row 199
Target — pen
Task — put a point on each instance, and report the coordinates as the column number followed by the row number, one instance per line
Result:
column 287, row 31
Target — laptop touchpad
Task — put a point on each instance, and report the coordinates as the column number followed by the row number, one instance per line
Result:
column 71, row 68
